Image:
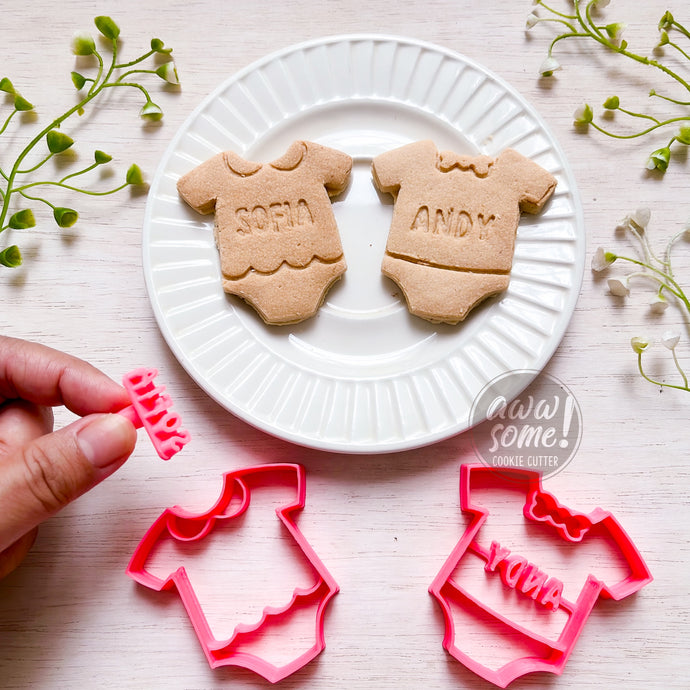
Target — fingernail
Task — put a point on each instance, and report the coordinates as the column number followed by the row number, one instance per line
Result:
column 107, row 439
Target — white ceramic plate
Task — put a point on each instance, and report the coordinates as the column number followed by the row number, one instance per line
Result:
column 363, row 376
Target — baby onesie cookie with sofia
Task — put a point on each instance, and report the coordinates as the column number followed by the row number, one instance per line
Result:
column 275, row 230
column 455, row 220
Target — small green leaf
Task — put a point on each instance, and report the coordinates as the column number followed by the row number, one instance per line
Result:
column 6, row 85
column 58, row 141
column 83, row 44
column 11, row 257
column 21, row 104
column 151, row 111
column 107, row 27
column 134, row 175
column 78, row 80
column 65, row 217
column 102, row 157
column 158, row 46
column 23, row 219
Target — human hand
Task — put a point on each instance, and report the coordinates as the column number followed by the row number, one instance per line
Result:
column 42, row 470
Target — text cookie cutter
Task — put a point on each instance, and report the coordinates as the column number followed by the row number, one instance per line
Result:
column 242, row 648
column 150, row 409
column 538, row 621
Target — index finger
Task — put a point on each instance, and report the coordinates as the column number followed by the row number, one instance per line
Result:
column 44, row 376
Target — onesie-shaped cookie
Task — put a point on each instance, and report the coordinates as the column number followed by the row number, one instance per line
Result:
column 452, row 237
column 275, row 230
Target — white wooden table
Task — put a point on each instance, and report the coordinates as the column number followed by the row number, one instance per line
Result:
column 383, row 524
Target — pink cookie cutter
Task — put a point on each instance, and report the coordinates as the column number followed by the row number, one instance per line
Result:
column 239, row 649
column 532, row 611
column 150, row 409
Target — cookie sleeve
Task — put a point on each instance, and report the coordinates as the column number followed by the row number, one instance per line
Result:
column 534, row 184
column 333, row 166
column 389, row 169
column 200, row 186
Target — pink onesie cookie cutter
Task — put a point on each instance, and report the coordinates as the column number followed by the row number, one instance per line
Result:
column 539, row 595
column 150, row 409
column 234, row 501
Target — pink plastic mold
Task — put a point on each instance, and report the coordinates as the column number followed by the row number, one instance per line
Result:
column 245, row 647
column 150, row 409
column 505, row 616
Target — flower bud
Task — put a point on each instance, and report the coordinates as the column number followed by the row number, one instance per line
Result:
column 134, row 175
column 670, row 339
column 641, row 217
column 151, row 111
column 65, row 217
column 612, row 103
column 22, row 220
column 659, row 159
column 21, row 104
column 683, row 135
column 6, row 85
column 666, row 21
column 168, row 72
column 157, row 46
column 658, row 305
column 11, row 257
column 101, row 157
column 107, row 27
column 583, row 115
column 549, row 66
column 618, row 287
column 638, row 344
column 615, row 31
column 58, row 141
column 602, row 259
column 532, row 20
column 83, row 44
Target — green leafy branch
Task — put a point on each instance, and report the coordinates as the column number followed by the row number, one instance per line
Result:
column 17, row 183
column 657, row 271
column 582, row 23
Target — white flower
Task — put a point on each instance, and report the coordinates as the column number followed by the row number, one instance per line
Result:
column 549, row 66
column 532, row 20
column 600, row 4
column 618, row 287
column 602, row 259
column 658, row 305
column 641, row 217
column 670, row 339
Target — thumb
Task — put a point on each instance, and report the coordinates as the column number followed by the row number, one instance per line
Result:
column 44, row 475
